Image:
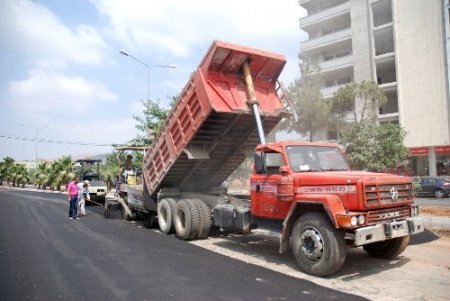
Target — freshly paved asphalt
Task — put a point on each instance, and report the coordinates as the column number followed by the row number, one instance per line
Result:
column 46, row 256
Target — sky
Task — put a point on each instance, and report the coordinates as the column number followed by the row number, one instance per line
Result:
column 63, row 79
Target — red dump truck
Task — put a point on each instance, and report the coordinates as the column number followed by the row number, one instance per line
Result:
column 302, row 190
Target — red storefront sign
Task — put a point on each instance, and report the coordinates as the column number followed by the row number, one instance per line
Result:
column 418, row 151
column 444, row 149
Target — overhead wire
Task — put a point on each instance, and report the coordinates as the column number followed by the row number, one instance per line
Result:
column 55, row 141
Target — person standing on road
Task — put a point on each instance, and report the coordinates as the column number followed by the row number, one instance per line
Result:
column 72, row 196
column 83, row 195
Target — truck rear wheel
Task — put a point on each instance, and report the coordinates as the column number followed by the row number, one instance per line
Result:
column 318, row 247
column 166, row 213
column 388, row 249
column 187, row 220
column 205, row 218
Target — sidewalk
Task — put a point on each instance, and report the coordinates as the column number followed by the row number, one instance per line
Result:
column 438, row 224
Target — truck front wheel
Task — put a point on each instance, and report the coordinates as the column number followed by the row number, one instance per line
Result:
column 388, row 249
column 166, row 212
column 318, row 247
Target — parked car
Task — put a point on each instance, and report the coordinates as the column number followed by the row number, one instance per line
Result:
column 428, row 186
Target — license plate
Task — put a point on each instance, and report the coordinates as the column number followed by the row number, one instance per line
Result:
column 399, row 232
column 397, row 229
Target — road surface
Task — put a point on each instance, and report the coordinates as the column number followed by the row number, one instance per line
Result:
column 46, row 256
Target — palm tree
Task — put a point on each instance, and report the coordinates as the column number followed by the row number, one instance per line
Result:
column 41, row 174
column 2, row 172
column 8, row 165
column 64, row 171
column 22, row 176
column 52, row 174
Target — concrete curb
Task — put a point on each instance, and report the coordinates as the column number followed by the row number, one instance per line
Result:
column 437, row 221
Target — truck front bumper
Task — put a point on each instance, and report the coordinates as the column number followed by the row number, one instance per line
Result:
column 382, row 232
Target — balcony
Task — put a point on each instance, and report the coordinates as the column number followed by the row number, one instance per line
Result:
column 384, row 39
column 381, row 12
column 392, row 86
column 388, row 117
column 339, row 63
column 335, row 37
column 386, row 72
column 328, row 92
column 325, row 14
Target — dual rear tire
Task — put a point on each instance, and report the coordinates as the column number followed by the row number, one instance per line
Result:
column 188, row 218
column 166, row 213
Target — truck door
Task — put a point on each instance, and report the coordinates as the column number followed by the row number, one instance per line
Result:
column 263, row 187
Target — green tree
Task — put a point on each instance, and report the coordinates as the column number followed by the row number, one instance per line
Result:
column 2, row 172
column 41, row 175
column 21, row 175
column 52, row 174
column 369, row 145
column 63, row 171
column 363, row 100
column 154, row 115
column 110, row 169
column 374, row 147
column 8, row 164
column 314, row 113
column 13, row 174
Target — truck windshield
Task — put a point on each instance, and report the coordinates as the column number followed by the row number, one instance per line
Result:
column 315, row 158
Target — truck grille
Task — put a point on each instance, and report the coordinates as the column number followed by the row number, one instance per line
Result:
column 387, row 193
column 387, row 215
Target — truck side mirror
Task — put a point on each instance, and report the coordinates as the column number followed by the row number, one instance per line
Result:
column 260, row 163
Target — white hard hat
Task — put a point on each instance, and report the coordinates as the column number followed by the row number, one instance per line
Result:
column 86, row 182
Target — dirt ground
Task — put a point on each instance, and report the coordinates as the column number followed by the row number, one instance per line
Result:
column 422, row 272
column 435, row 211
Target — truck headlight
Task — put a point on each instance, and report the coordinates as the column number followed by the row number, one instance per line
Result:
column 361, row 219
column 354, row 220
column 414, row 210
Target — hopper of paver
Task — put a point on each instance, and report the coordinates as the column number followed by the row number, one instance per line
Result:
column 212, row 127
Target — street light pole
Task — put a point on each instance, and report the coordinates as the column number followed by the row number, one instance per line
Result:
column 123, row 52
column 37, row 138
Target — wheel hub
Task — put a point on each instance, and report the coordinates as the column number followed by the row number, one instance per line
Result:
column 311, row 244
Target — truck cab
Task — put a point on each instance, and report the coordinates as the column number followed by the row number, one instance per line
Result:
column 309, row 190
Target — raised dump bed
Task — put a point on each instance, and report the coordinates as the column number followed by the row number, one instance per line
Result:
column 211, row 128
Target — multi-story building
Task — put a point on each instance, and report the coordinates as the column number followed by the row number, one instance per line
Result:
column 403, row 45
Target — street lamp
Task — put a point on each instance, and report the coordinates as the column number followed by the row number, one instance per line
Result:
column 37, row 136
column 123, row 52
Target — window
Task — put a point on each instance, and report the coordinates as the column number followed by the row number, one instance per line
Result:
column 315, row 158
column 268, row 163
column 273, row 163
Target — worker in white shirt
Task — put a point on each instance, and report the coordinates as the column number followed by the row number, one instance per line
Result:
column 83, row 195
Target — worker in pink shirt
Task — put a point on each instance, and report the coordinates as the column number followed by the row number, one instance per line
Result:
column 72, row 196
